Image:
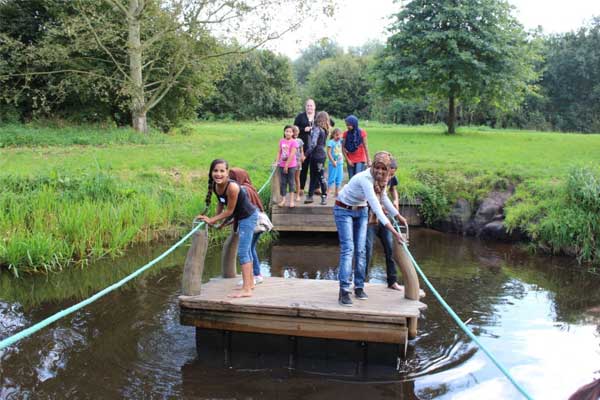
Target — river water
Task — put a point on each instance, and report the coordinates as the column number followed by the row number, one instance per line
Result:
column 539, row 315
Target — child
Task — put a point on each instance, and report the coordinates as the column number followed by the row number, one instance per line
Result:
column 286, row 161
column 316, row 154
column 336, row 160
column 233, row 202
column 299, row 160
column 393, row 184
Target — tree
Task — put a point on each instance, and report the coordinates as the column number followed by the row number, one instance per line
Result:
column 124, row 42
column 571, row 79
column 465, row 50
column 341, row 85
column 261, row 84
column 309, row 58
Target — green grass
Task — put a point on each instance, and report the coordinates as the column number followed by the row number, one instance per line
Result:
column 65, row 203
column 16, row 135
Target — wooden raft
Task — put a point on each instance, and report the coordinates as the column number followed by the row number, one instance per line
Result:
column 303, row 307
column 315, row 217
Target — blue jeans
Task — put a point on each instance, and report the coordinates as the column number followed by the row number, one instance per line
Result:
column 387, row 242
column 352, row 232
column 355, row 169
column 255, row 260
column 246, row 231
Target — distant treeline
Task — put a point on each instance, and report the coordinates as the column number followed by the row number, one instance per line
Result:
column 260, row 84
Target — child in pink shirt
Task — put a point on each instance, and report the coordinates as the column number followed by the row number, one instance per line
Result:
column 286, row 163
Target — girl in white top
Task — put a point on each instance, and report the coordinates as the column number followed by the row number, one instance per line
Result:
column 351, row 215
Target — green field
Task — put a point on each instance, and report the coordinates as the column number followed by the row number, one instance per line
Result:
column 75, row 194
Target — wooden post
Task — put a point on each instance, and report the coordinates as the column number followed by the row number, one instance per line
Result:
column 191, row 280
column 229, row 255
column 275, row 184
column 412, row 327
column 409, row 274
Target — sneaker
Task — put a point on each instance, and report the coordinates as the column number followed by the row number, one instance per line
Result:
column 344, row 298
column 323, row 200
column 308, row 200
column 360, row 294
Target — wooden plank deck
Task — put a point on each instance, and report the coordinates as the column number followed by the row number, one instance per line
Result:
column 302, row 307
column 319, row 218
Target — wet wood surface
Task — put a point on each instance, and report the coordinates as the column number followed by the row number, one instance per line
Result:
column 302, row 307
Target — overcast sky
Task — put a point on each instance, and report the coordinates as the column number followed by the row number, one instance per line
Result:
column 357, row 21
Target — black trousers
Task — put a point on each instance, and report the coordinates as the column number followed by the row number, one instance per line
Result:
column 317, row 177
column 304, row 173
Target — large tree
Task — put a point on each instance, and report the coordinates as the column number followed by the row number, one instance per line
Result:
column 458, row 50
column 143, row 48
column 341, row 85
column 259, row 85
column 311, row 56
column 572, row 79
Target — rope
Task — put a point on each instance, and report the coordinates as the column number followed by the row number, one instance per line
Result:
column 463, row 326
column 42, row 324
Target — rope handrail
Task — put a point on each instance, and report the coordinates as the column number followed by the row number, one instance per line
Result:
column 55, row 317
column 462, row 325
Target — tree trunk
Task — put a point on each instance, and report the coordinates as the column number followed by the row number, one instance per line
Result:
column 451, row 115
column 134, row 50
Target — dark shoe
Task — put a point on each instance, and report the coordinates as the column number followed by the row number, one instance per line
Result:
column 323, row 200
column 344, row 298
column 360, row 294
column 308, row 200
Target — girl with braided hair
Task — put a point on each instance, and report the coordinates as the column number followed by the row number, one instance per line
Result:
column 233, row 203
column 367, row 188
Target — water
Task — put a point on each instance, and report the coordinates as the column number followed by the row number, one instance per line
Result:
column 539, row 315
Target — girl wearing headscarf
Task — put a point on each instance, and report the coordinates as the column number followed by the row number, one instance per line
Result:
column 354, row 147
column 366, row 188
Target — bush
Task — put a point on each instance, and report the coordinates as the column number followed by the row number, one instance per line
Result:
column 563, row 219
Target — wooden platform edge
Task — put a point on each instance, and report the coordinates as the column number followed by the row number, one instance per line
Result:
column 296, row 326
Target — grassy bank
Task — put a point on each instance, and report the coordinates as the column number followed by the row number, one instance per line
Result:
column 66, row 201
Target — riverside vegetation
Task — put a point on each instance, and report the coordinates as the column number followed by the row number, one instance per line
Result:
column 71, row 195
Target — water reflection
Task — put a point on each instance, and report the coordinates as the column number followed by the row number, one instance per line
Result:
column 539, row 315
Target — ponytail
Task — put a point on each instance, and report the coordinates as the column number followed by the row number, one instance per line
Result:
column 209, row 193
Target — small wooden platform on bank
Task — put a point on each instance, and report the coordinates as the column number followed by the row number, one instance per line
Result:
column 315, row 217
column 305, row 308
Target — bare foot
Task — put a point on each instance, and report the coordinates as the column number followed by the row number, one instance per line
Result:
column 292, row 205
column 297, row 197
column 242, row 293
column 395, row 286
column 241, row 288
column 281, row 203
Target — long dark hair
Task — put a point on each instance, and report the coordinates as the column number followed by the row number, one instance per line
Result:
column 211, row 183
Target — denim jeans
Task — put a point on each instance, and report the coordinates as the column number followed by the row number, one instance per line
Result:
column 255, row 260
column 387, row 241
column 352, row 232
column 246, row 231
column 355, row 169
column 287, row 180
